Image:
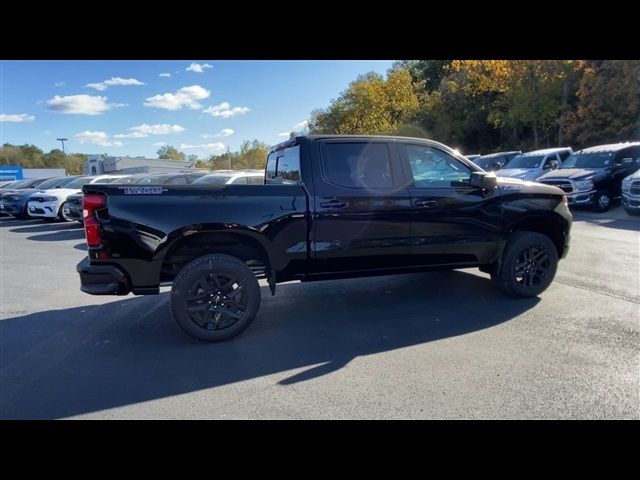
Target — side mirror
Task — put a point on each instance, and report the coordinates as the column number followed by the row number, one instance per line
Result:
column 485, row 180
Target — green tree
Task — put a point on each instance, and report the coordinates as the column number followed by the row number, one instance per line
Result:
column 608, row 108
column 169, row 152
column 426, row 73
column 252, row 154
column 370, row 105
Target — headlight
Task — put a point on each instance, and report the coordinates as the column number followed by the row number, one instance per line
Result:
column 50, row 199
column 584, row 185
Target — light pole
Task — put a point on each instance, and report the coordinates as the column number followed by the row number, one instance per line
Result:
column 63, row 140
column 64, row 153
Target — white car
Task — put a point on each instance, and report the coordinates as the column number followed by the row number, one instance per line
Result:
column 49, row 203
column 235, row 177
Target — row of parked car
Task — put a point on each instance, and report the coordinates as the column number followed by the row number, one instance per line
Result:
column 61, row 197
column 595, row 176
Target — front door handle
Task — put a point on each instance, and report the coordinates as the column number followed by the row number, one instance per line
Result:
column 426, row 203
column 333, row 204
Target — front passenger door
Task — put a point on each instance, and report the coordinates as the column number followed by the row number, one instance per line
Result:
column 453, row 222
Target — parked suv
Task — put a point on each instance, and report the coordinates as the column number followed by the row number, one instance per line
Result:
column 593, row 176
column 532, row 165
column 631, row 193
column 495, row 161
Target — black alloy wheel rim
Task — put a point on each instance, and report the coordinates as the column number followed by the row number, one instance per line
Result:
column 531, row 266
column 216, row 301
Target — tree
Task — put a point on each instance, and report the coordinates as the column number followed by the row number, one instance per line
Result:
column 426, row 73
column 192, row 158
column 252, row 154
column 169, row 152
column 370, row 105
column 608, row 108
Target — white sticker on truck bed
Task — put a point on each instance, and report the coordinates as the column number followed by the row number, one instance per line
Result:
column 143, row 190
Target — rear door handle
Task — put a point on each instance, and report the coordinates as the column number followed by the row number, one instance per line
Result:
column 425, row 203
column 333, row 204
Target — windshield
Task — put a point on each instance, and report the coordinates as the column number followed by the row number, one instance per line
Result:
column 213, row 179
column 155, row 179
column 78, row 182
column 20, row 184
column 56, row 182
column 588, row 160
column 522, row 161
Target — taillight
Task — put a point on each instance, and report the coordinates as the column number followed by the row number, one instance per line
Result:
column 92, row 229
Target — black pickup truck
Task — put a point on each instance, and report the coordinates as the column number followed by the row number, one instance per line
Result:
column 331, row 207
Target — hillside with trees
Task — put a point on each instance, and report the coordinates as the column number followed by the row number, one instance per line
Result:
column 481, row 106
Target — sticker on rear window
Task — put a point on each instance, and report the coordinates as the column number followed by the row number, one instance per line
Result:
column 143, row 190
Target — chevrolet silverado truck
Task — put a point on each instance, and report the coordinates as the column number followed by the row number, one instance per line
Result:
column 329, row 207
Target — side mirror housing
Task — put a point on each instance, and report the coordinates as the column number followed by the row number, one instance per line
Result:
column 486, row 180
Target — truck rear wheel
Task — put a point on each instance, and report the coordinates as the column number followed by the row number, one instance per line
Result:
column 529, row 264
column 215, row 297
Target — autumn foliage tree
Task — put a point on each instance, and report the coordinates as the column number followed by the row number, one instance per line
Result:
column 370, row 105
column 608, row 108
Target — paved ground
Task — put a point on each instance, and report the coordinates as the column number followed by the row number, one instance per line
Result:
column 442, row 345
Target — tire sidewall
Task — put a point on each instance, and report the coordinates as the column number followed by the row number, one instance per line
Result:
column 196, row 269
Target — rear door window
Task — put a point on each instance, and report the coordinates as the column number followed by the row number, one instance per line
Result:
column 357, row 164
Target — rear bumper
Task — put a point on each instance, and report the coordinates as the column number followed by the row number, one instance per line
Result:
column 102, row 279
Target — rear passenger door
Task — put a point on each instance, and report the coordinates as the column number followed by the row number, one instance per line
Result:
column 360, row 207
column 453, row 222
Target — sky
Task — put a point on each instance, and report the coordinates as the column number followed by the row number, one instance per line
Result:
column 132, row 108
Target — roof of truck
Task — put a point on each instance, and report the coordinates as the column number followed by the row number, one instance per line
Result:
column 293, row 140
column 612, row 147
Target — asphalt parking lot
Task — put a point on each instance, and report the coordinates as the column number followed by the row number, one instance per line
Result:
column 439, row 345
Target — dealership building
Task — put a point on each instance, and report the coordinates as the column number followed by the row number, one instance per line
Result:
column 103, row 164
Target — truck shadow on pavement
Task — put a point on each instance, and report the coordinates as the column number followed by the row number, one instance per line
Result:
column 61, row 363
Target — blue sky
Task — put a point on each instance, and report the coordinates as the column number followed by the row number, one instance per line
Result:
column 199, row 106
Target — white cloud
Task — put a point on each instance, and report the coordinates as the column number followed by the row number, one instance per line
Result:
column 224, row 110
column 218, row 146
column 16, row 117
column 302, row 124
column 284, row 134
column 168, row 75
column 198, row 67
column 159, row 144
column 144, row 130
column 96, row 138
column 59, row 84
column 225, row 132
column 114, row 81
column 184, row 97
column 81, row 104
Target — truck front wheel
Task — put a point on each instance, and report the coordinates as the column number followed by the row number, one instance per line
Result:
column 215, row 297
column 529, row 264
column 601, row 202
